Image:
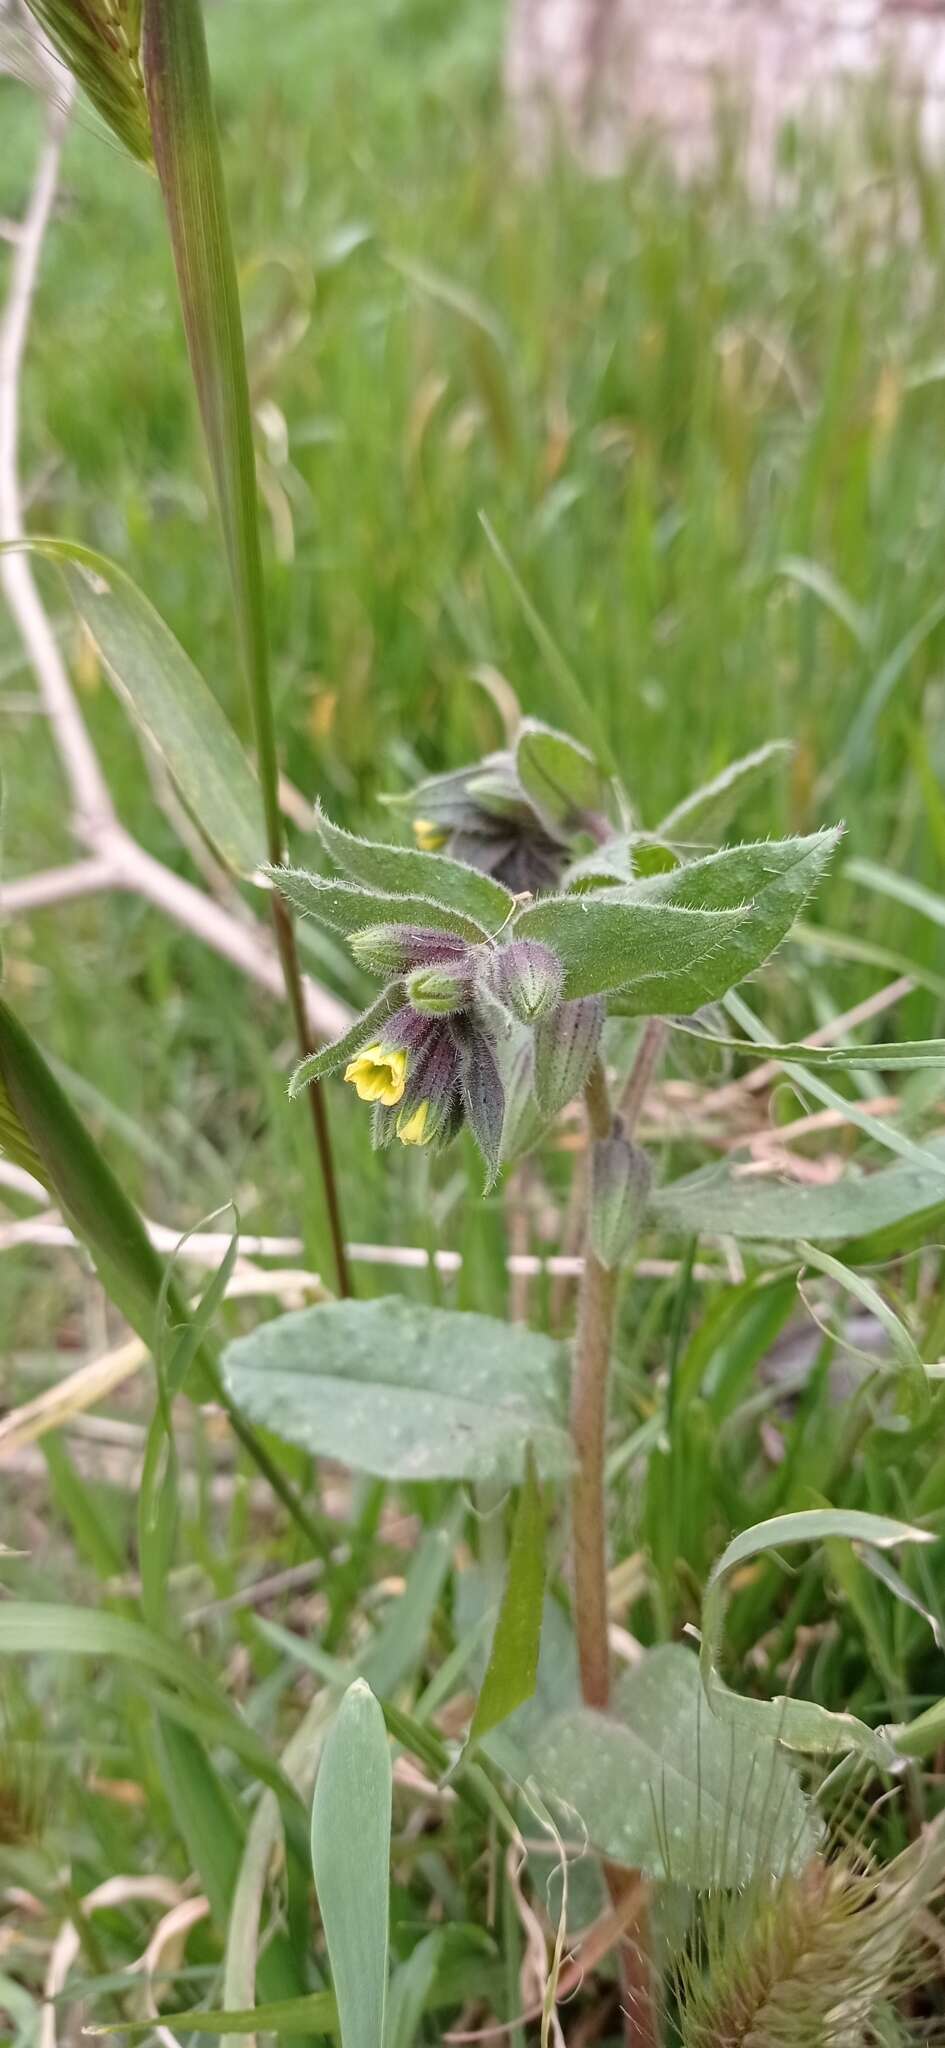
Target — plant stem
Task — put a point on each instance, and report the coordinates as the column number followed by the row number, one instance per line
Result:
column 187, row 158
column 597, row 1308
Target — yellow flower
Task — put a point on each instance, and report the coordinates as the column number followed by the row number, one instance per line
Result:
column 378, row 1074
column 428, row 835
column 413, row 1132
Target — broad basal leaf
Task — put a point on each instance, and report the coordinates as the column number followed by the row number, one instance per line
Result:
column 905, row 1203
column 449, row 883
column 404, row 1391
column 661, row 1786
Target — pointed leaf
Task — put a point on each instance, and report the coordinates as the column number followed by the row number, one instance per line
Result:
column 344, row 1048
column 345, row 908
column 433, row 876
column 661, row 960
column 908, row 1054
column 561, row 778
column 168, row 698
column 351, row 1821
column 771, row 879
column 404, row 1391
column 286, row 2017
column 706, row 813
column 37, row 1115
column 512, row 1670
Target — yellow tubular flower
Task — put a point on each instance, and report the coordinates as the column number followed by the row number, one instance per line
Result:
column 414, row 1130
column 428, row 835
column 378, row 1075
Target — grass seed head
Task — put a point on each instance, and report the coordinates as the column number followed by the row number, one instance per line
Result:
column 100, row 41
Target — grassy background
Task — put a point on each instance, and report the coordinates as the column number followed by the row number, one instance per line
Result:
column 710, row 438
column 712, row 441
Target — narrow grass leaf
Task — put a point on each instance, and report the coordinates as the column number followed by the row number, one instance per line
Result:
column 168, row 699
column 187, row 155
column 802, row 1725
column 575, row 708
column 512, row 1670
column 907, row 1053
column 351, row 1824
column 869, row 1297
column 286, row 2017
column 913, row 895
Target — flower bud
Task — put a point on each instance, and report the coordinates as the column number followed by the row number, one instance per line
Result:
column 437, row 991
column 395, row 949
column 566, row 1043
column 620, row 1187
column 529, row 977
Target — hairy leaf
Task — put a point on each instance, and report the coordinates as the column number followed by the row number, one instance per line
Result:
column 661, row 1786
column 449, row 883
column 660, row 960
column 405, row 1391
column 346, row 908
column 707, row 811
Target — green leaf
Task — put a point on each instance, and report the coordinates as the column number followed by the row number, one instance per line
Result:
column 402, row 869
column 351, row 1821
column 343, row 1049
column 575, row 708
column 43, row 1126
column 901, row 888
column 661, row 1787
column 706, row 812
column 910, row 1054
column 405, row 1391
column 348, row 909
column 287, row 2017
column 659, row 960
column 512, row 1670
column 870, row 1298
column 771, row 879
column 187, row 157
column 900, row 1200
column 168, row 698
column 800, row 1725
column 411, row 1988
column 206, row 1817
column 560, row 778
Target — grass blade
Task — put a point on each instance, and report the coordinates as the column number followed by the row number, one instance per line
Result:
column 351, row 1819
column 512, row 1669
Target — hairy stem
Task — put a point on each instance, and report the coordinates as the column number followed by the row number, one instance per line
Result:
column 597, row 1309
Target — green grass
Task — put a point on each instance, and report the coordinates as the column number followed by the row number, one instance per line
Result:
column 710, row 439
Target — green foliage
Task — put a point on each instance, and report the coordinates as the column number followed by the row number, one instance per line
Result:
column 404, row 1391
column 351, row 1822
column 168, row 700
column 717, row 475
column 660, row 1786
